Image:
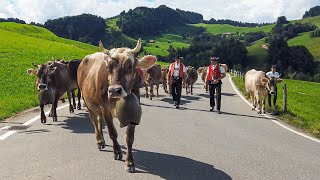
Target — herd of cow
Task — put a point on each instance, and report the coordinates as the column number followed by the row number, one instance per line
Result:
column 109, row 83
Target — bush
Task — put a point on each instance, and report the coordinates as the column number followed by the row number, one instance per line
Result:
column 302, row 76
column 316, row 78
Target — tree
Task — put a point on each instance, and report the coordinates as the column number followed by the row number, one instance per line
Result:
column 315, row 11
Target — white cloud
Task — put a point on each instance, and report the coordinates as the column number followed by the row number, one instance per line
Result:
column 248, row 11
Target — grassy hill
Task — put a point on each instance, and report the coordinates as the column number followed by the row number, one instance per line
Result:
column 216, row 29
column 21, row 45
column 313, row 44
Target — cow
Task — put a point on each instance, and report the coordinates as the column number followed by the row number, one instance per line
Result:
column 107, row 81
column 164, row 73
column 152, row 77
column 53, row 80
column 258, row 86
column 191, row 78
column 203, row 78
column 201, row 69
column 73, row 68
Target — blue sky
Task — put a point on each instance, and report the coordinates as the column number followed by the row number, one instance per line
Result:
column 240, row 10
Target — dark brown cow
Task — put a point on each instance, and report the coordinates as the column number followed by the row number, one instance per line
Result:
column 53, row 80
column 152, row 77
column 191, row 78
column 106, row 80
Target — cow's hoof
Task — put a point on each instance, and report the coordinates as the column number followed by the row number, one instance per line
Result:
column 259, row 112
column 118, row 156
column 55, row 119
column 130, row 168
column 43, row 120
column 101, row 145
column 150, row 97
column 71, row 110
column 253, row 109
column 79, row 107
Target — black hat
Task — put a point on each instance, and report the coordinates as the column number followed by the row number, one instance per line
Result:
column 214, row 58
column 178, row 57
column 274, row 66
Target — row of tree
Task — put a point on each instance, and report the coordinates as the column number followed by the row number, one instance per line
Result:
column 315, row 33
column 16, row 20
column 234, row 23
column 85, row 28
column 285, row 31
column 230, row 50
column 315, row 11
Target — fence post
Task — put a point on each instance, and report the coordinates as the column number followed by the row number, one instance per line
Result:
column 284, row 97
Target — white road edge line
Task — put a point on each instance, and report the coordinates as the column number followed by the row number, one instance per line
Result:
column 9, row 133
column 269, row 117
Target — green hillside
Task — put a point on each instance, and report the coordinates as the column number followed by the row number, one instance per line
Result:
column 313, row 44
column 21, row 45
column 256, row 54
column 226, row 28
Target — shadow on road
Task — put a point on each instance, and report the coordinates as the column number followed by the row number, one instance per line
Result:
column 245, row 115
column 78, row 124
column 175, row 167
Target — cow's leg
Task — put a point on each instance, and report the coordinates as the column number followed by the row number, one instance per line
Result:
column 158, row 89
column 95, row 121
column 258, row 101
column 70, row 105
column 264, row 104
column 147, row 93
column 191, row 89
column 151, row 91
column 73, row 99
column 79, row 99
column 50, row 114
column 113, row 136
column 129, row 138
column 54, row 109
column 43, row 116
column 253, row 101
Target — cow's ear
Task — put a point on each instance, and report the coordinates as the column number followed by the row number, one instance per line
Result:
column 279, row 80
column 264, row 80
column 147, row 61
column 31, row 71
column 51, row 70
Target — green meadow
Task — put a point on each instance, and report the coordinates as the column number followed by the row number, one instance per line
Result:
column 20, row 46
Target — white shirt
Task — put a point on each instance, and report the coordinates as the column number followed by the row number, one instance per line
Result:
column 177, row 68
column 222, row 70
column 271, row 75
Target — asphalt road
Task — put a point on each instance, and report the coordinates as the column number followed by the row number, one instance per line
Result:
column 189, row 143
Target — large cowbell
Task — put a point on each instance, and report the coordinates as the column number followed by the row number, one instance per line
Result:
column 128, row 110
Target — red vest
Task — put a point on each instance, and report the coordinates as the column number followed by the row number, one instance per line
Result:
column 213, row 72
column 181, row 74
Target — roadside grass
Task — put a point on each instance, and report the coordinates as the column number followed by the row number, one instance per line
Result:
column 303, row 109
column 17, row 52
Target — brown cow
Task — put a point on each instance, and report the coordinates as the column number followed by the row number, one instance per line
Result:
column 106, row 80
column 152, row 77
column 191, row 78
column 53, row 80
column 203, row 78
column 164, row 73
column 258, row 86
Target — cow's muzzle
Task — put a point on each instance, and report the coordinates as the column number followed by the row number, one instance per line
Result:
column 116, row 91
column 272, row 92
column 42, row 87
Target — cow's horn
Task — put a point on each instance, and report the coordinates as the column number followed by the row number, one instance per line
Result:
column 104, row 50
column 137, row 48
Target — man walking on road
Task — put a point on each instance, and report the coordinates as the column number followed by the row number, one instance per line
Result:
column 273, row 74
column 175, row 77
column 215, row 73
